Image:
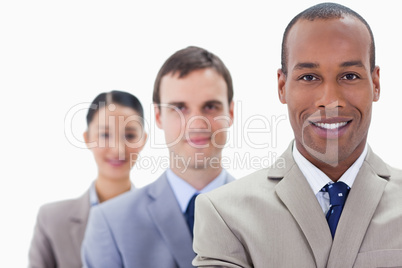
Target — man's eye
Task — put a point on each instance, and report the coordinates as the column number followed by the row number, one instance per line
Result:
column 130, row 136
column 349, row 77
column 308, row 77
column 210, row 107
column 181, row 107
column 104, row 135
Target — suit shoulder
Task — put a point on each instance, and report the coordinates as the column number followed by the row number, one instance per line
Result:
column 249, row 183
column 124, row 203
column 395, row 171
column 124, row 209
column 60, row 207
column 57, row 214
column 396, row 175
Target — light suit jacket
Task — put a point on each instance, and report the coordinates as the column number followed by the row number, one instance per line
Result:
column 272, row 218
column 58, row 234
column 145, row 228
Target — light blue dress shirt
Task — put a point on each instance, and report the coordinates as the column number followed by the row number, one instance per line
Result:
column 184, row 191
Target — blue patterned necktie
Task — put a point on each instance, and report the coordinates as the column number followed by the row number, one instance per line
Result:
column 189, row 214
column 338, row 192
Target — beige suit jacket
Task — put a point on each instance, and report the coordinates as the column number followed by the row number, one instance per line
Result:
column 272, row 218
column 58, row 234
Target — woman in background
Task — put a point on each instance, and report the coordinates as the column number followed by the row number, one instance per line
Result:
column 115, row 135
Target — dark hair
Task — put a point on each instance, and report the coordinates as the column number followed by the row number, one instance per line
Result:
column 190, row 59
column 116, row 97
column 325, row 11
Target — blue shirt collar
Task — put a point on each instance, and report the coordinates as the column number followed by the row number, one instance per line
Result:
column 184, row 191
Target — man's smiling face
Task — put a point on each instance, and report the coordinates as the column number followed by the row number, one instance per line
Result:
column 195, row 115
column 329, row 88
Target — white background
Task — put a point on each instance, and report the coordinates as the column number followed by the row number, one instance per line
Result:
column 55, row 55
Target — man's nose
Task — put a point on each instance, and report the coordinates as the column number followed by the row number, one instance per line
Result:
column 331, row 96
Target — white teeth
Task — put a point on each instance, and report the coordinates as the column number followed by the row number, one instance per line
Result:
column 330, row 126
column 115, row 161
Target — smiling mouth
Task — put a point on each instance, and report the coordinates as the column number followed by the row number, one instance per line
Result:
column 115, row 162
column 203, row 140
column 330, row 126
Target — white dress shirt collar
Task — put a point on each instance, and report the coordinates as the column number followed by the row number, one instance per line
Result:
column 184, row 191
column 318, row 179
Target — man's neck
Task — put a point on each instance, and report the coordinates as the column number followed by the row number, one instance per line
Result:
column 334, row 172
column 197, row 178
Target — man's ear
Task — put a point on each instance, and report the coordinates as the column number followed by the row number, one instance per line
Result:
column 281, row 86
column 376, row 83
column 157, row 111
column 231, row 112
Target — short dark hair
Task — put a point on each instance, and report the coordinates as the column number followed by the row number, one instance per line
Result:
column 325, row 11
column 117, row 97
column 191, row 59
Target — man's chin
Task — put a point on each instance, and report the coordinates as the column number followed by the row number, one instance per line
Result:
column 327, row 153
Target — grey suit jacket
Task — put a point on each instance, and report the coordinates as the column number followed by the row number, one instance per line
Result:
column 58, row 234
column 272, row 218
column 145, row 228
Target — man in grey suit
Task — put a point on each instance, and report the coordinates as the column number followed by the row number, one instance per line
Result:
column 152, row 227
column 329, row 201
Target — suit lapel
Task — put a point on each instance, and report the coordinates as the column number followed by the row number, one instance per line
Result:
column 170, row 222
column 359, row 208
column 295, row 192
column 78, row 221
